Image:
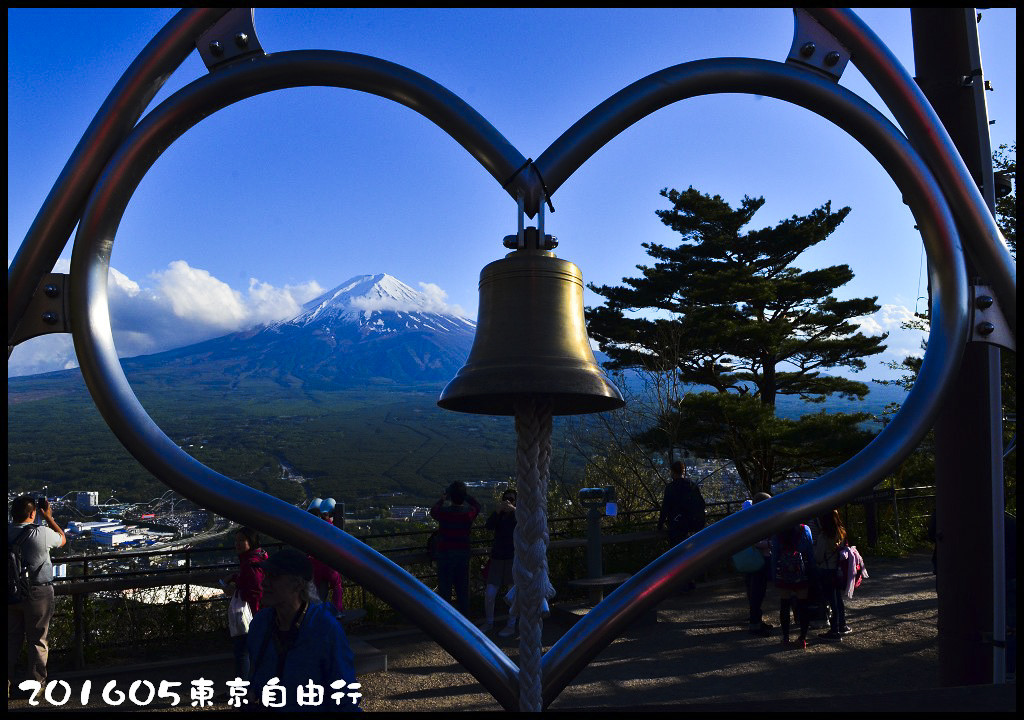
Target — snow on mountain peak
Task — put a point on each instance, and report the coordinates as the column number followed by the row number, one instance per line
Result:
column 359, row 299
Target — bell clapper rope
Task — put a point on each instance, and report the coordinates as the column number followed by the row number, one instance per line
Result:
column 530, row 567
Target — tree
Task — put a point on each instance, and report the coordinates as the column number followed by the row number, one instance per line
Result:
column 1004, row 161
column 608, row 442
column 736, row 317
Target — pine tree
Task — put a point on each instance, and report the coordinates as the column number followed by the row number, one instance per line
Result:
column 728, row 310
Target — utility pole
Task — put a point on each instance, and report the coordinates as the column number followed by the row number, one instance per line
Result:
column 968, row 432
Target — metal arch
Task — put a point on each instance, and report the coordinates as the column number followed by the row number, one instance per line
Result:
column 947, row 337
column 982, row 237
column 917, row 117
column 120, row 408
column 129, row 98
column 123, row 107
column 113, row 395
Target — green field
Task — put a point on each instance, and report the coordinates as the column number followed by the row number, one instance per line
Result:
column 349, row 444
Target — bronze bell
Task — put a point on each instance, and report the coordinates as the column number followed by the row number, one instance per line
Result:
column 531, row 340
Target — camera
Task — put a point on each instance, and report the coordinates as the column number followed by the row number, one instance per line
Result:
column 594, row 498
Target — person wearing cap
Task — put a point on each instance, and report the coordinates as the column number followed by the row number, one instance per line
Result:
column 28, row 621
column 326, row 579
column 296, row 640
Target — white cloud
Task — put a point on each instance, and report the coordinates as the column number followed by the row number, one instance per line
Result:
column 437, row 300
column 888, row 318
column 196, row 295
column 185, row 305
column 45, row 353
column 900, row 343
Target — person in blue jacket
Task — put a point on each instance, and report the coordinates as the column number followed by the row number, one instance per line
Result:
column 301, row 659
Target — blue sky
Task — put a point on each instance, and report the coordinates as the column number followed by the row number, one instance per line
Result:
column 273, row 199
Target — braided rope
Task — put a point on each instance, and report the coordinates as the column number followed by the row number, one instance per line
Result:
column 530, row 567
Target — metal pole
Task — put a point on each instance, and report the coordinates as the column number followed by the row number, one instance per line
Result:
column 968, row 434
column 595, row 567
column 78, row 608
column 188, row 592
column 595, row 562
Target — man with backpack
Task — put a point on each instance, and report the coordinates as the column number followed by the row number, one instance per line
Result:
column 682, row 508
column 30, row 601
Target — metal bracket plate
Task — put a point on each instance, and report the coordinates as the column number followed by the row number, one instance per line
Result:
column 816, row 48
column 47, row 312
column 231, row 39
column 987, row 322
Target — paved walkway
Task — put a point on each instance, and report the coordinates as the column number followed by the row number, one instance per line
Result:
column 697, row 657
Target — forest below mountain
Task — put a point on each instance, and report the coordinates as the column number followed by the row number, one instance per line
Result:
column 352, row 444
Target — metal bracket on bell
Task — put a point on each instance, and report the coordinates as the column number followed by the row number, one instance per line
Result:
column 987, row 322
column 47, row 312
column 232, row 38
column 528, row 238
column 816, row 48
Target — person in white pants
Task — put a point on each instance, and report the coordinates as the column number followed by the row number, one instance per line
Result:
column 502, row 522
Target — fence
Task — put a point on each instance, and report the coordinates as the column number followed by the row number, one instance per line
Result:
column 136, row 599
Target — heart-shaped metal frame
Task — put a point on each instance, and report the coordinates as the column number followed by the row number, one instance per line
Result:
column 134, row 150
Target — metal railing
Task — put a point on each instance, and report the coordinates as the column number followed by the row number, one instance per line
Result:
column 109, row 607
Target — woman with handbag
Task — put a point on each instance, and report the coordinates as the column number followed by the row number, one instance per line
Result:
column 247, row 591
column 830, row 539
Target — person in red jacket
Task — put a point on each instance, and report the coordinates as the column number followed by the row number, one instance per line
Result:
column 248, row 584
column 455, row 521
column 326, row 579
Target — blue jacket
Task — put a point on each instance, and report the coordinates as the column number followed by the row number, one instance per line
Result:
column 321, row 654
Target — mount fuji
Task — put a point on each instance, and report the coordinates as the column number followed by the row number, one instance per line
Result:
column 370, row 329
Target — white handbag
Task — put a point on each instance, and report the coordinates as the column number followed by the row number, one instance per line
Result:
column 239, row 616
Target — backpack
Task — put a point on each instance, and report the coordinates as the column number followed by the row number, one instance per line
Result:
column 843, row 579
column 19, row 577
column 790, row 568
column 748, row 560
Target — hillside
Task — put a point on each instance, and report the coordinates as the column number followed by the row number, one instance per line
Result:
column 344, row 393
column 350, row 443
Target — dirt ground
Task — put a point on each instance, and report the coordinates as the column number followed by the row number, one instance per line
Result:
column 699, row 652
column 698, row 656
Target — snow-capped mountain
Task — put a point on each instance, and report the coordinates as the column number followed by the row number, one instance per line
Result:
column 371, row 328
column 378, row 304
